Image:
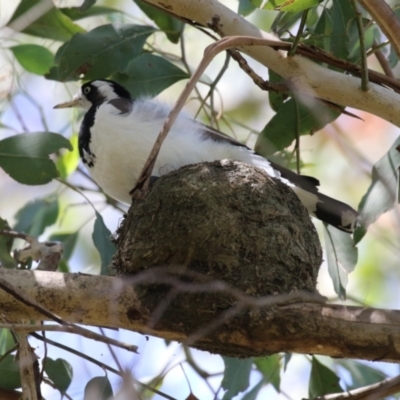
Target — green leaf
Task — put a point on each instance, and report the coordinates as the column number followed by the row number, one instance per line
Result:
column 25, row 157
column 342, row 12
column 270, row 367
column 68, row 240
column 246, row 7
column 63, row 266
column 361, row 374
column 286, row 360
column 76, row 13
column 36, row 215
column 324, row 30
column 35, row 59
column 101, row 239
column 171, row 26
column 98, row 388
column 382, row 193
column 9, row 373
column 7, row 341
column 341, row 255
column 276, row 99
column 53, row 24
column 6, row 243
column 280, row 130
column 100, row 52
column 322, row 380
column 284, row 21
column 60, row 372
column 257, row 3
column 149, row 75
column 353, row 45
column 290, row 6
column 68, row 162
column 236, row 376
column 87, row 4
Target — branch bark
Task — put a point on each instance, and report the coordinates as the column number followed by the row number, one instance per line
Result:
column 309, row 328
column 305, row 75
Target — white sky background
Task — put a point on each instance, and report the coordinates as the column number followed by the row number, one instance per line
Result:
column 234, row 88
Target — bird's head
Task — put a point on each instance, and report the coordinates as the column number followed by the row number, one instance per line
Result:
column 95, row 93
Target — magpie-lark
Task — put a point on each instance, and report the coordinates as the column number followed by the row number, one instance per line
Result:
column 118, row 132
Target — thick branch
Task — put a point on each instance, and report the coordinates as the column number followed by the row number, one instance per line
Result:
column 305, row 75
column 310, row 328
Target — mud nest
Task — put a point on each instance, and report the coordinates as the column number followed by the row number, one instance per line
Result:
column 209, row 223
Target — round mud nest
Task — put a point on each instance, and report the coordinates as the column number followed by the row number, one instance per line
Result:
column 215, row 222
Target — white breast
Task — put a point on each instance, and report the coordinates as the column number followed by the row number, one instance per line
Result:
column 122, row 143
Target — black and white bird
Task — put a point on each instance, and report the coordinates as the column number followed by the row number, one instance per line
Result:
column 117, row 134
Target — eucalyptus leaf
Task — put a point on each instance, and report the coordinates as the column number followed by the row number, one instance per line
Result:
column 68, row 162
column 100, row 52
column 98, row 388
column 342, row 12
column 370, row 34
column 276, row 99
column 33, row 58
column 382, row 193
column 171, row 26
column 361, row 374
column 149, row 75
column 324, row 30
column 290, row 6
column 270, row 367
column 68, row 240
column 307, row 118
column 236, row 376
column 53, row 24
column 101, row 239
column 77, row 13
column 7, row 341
column 36, row 215
column 341, row 256
column 322, row 380
column 25, row 157
column 6, row 243
column 60, row 373
column 246, row 7
column 10, row 377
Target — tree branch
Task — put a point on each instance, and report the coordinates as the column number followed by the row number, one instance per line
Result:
column 305, row 75
column 387, row 20
column 309, row 328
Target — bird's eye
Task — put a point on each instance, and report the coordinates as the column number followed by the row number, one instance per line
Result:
column 86, row 90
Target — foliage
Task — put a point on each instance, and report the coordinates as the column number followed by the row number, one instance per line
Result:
column 71, row 44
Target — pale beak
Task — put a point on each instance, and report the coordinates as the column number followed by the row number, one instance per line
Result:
column 73, row 103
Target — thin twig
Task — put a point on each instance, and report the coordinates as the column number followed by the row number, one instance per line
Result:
column 363, row 55
column 383, row 62
column 98, row 363
column 375, row 391
column 142, row 186
column 297, row 39
column 386, row 19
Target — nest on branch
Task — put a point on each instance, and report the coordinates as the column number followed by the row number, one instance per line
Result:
column 209, row 223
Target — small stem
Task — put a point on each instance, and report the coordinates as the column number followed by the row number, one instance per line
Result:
column 363, row 55
column 296, row 41
column 383, row 62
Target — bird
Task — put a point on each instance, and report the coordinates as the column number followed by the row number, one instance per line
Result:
column 118, row 132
